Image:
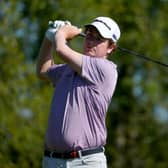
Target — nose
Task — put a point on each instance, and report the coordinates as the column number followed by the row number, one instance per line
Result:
column 89, row 37
column 89, row 42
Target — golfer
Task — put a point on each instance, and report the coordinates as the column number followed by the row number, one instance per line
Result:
column 83, row 89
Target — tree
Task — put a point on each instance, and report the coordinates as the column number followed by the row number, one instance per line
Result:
column 137, row 135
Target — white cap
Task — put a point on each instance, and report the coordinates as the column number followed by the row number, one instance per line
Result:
column 107, row 27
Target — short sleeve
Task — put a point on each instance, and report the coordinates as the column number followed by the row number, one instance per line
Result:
column 98, row 70
column 55, row 72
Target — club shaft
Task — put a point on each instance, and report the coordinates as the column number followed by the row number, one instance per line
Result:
column 135, row 54
column 141, row 56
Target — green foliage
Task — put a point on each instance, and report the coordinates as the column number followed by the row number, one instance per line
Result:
column 137, row 134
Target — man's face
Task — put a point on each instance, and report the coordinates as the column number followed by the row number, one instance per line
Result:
column 95, row 44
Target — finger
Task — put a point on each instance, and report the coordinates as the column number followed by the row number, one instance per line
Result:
column 67, row 22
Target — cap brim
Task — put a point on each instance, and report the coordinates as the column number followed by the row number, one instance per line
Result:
column 101, row 29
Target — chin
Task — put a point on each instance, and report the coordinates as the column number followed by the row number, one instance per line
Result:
column 91, row 54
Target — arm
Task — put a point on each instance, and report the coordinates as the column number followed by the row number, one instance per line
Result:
column 73, row 58
column 45, row 60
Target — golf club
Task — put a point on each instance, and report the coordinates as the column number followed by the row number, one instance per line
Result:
column 141, row 56
column 136, row 54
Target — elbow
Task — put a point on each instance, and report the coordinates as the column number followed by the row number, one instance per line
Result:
column 41, row 69
column 40, row 74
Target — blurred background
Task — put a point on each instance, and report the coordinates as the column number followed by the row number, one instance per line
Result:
column 137, row 119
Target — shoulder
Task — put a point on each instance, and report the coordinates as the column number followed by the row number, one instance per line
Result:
column 98, row 69
column 98, row 63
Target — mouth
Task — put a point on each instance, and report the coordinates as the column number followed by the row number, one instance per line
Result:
column 89, row 49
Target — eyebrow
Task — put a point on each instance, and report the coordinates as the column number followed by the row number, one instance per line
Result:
column 96, row 20
column 93, row 31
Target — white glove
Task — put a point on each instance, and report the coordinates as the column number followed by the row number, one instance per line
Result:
column 53, row 28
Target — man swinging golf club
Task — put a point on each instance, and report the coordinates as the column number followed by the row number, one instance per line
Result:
column 83, row 89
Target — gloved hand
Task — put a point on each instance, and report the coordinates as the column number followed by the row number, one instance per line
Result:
column 53, row 28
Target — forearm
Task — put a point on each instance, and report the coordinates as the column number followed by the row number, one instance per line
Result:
column 45, row 59
column 61, row 46
column 70, row 56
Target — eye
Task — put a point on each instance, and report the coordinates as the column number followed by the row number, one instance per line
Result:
column 99, row 38
column 94, row 37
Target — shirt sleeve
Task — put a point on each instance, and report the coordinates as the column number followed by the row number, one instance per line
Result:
column 100, row 72
column 55, row 72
